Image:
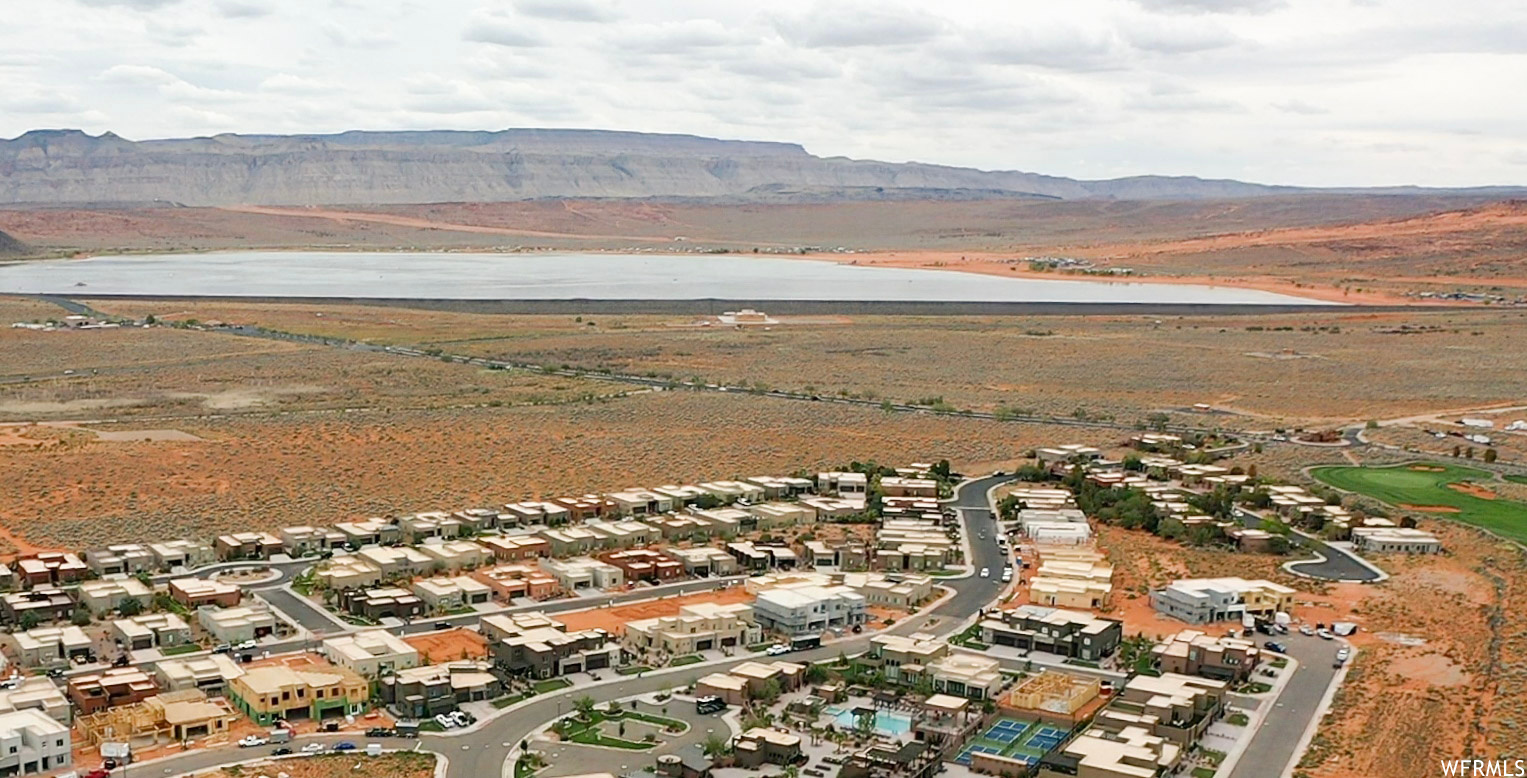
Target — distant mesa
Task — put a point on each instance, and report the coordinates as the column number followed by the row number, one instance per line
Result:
column 45, row 167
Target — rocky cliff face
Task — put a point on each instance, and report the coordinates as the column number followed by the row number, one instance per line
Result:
column 68, row 166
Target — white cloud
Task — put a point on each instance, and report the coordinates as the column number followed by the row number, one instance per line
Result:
column 1292, row 91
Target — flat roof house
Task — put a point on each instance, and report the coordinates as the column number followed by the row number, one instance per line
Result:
column 731, row 491
column 1176, row 707
column 581, row 573
column 640, row 502
column 808, row 609
column 348, row 572
column 759, row 746
column 209, row 674
column 396, row 561
column 304, row 540
column 965, row 675
column 453, row 555
column 644, row 564
column 422, row 692
column 832, row 507
column 541, row 647
column 380, row 603
column 49, row 604
column 892, row 653
column 1395, row 540
column 851, row 485
column 50, row 567
column 238, row 624
column 1113, row 752
column 895, row 486
column 120, row 559
column 779, row 487
column 1202, row 600
column 107, row 595
column 524, row 579
column 266, row 694
column 1193, row 652
column 513, row 548
column 196, row 592
column 32, row 743
column 704, row 561
column 772, row 515
column 37, row 693
column 188, row 554
column 432, row 524
column 373, row 531
column 45, row 646
column 518, row 514
column 570, row 541
column 449, row 593
column 152, row 630
column 698, row 627
column 1068, row 633
column 118, row 686
column 622, row 534
column 246, row 545
column 372, row 653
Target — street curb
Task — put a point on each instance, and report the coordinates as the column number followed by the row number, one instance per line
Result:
column 1264, row 708
column 1320, row 712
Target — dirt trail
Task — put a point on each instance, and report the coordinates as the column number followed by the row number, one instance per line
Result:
column 426, row 224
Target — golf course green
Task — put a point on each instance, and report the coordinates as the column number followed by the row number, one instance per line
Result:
column 1433, row 489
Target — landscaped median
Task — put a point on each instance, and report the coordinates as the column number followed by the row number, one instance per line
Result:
column 589, row 727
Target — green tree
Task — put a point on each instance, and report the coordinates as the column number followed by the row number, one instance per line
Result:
column 29, row 620
column 585, row 706
column 1491, row 455
column 80, row 617
column 714, row 745
column 130, row 607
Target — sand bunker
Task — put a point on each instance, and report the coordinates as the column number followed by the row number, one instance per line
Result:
column 1428, row 508
column 1472, row 490
column 1425, row 468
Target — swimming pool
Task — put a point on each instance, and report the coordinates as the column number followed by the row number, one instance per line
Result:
column 886, row 722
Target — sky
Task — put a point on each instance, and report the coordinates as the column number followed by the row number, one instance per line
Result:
column 1306, row 92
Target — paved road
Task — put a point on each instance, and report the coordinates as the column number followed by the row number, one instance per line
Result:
column 1275, row 742
column 1339, row 564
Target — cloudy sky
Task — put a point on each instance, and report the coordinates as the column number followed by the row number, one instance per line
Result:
column 1315, row 92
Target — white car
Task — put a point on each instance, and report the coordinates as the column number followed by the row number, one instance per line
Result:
column 1343, row 654
column 245, row 646
column 986, row 572
column 1307, row 631
column 445, row 721
column 777, row 649
column 1325, row 634
column 312, row 748
column 250, row 741
column 1007, row 575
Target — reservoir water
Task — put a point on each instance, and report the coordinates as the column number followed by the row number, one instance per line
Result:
column 557, row 276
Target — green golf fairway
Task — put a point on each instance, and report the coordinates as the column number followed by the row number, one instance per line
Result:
column 1417, row 486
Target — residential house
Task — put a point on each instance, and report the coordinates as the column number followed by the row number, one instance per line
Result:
column 733, row 491
column 433, row 524
column 392, row 562
column 109, row 594
column 44, row 604
column 351, row 571
column 759, row 746
column 1193, row 652
column 541, row 647
column 892, row 486
column 452, row 593
column 514, row 548
column 197, row 592
column 246, row 545
column 37, row 693
column 1203, row 600
column 1395, row 540
column 580, row 573
column 382, row 603
column 519, row 514
column 209, row 674
column 809, row 609
column 704, row 561
column 304, row 540
column 173, row 555
column 371, row 532
column 50, row 568
column 454, row 555
column 1074, row 634
column 46, row 646
column 32, row 743
column 640, row 502
column 237, row 624
column 120, row 559
column 422, row 692
column 118, row 686
column 373, row 653
column 644, row 564
column 152, row 630
column 268, row 693
column 697, row 627
column 518, row 580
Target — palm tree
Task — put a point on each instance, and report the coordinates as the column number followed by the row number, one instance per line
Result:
column 585, row 706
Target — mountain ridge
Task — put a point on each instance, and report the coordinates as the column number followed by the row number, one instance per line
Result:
column 422, row 166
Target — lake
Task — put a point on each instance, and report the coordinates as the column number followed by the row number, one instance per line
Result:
column 557, row 276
